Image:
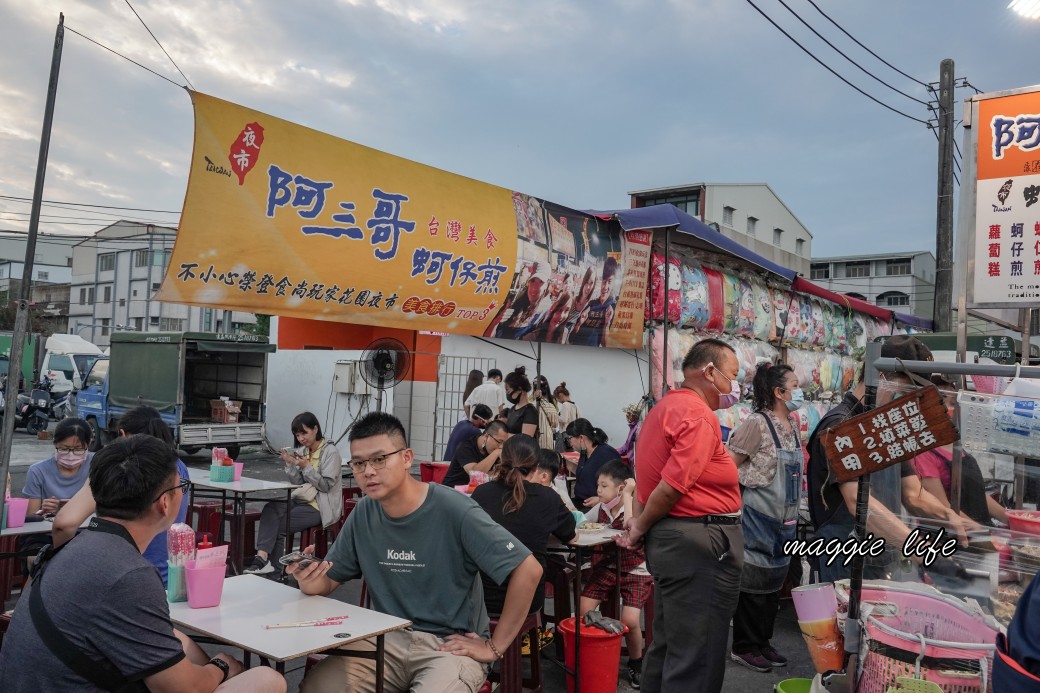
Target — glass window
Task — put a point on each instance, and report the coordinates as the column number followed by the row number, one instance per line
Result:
column 820, row 271
column 91, row 296
column 106, row 262
column 857, row 269
column 778, row 237
column 799, row 246
column 63, row 363
column 171, row 325
column 897, row 267
column 43, row 276
column 97, row 373
column 689, row 203
column 140, row 258
column 751, row 221
column 107, row 295
column 105, row 322
column 83, row 296
column 727, row 216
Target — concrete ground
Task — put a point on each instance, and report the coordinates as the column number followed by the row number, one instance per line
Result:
column 27, row 450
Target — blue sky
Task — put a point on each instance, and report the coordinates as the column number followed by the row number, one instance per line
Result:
column 576, row 102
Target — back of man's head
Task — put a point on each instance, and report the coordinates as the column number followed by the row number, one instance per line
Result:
column 704, row 352
column 378, row 424
column 494, row 373
column 128, row 475
column 482, row 412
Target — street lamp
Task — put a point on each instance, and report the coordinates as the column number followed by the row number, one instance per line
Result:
column 1030, row 9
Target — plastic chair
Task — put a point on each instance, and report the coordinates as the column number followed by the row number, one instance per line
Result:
column 432, row 471
column 510, row 674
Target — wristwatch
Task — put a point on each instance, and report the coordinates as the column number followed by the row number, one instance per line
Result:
column 222, row 665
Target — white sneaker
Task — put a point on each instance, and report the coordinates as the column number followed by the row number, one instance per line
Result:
column 259, row 566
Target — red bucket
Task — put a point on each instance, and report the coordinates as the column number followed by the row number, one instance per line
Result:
column 600, row 657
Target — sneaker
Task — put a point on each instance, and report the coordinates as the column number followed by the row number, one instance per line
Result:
column 259, row 566
column 774, row 657
column 525, row 645
column 752, row 660
column 545, row 639
column 635, row 674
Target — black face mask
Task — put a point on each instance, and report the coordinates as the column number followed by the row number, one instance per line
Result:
column 515, row 397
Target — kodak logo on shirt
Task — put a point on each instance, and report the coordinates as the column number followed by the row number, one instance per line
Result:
column 400, row 555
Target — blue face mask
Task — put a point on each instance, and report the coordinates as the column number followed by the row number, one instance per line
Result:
column 797, row 400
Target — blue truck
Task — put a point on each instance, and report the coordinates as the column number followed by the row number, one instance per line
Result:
column 190, row 378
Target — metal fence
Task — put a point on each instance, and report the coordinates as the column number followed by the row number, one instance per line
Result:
column 452, row 373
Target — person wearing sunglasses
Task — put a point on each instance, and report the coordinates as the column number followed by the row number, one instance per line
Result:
column 147, row 421
column 420, row 547
column 479, row 453
column 95, row 616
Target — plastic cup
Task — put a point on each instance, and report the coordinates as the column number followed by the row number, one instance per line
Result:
column 825, row 642
column 176, row 589
column 238, row 470
column 16, row 509
column 205, row 585
column 815, row 602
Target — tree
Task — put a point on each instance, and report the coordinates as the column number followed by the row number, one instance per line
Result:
column 262, row 326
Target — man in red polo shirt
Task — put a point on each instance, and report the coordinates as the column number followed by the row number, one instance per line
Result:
column 688, row 512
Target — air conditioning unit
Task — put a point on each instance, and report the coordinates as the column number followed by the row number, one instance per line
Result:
column 347, row 379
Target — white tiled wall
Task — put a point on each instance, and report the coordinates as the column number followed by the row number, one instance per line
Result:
column 414, row 404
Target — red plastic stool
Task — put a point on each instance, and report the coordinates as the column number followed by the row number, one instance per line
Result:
column 511, row 672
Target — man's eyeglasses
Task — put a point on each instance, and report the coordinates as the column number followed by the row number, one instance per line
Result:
column 377, row 462
column 70, row 451
column 183, row 486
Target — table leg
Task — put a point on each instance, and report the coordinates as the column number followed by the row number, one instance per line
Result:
column 238, row 540
column 580, row 560
column 380, row 652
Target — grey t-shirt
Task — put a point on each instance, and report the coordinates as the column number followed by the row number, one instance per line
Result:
column 44, row 480
column 108, row 601
column 425, row 567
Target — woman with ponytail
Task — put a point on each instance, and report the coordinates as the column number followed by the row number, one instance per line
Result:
column 529, row 510
column 591, row 444
column 769, row 459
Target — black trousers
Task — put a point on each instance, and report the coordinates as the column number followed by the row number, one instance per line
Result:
column 753, row 621
column 696, row 569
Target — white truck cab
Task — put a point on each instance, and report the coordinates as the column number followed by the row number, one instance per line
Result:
column 67, row 359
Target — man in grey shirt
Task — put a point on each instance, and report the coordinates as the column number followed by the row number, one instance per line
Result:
column 421, row 548
column 106, row 602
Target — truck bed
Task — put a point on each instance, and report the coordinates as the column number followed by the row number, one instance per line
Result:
column 208, row 433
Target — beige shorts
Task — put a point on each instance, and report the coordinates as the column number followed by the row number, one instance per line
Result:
column 413, row 663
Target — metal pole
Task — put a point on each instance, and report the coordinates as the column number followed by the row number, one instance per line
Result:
column 944, row 205
column 1026, row 316
column 666, row 366
column 873, row 352
column 21, row 319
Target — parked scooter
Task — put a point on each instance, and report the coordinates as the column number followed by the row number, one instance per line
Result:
column 33, row 411
column 61, row 404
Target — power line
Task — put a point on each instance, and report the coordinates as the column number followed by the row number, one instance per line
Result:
column 179, row 86
column 844, row 55
column 829, row 69
column 840, row 28
column 160, row 45
column 84, row 204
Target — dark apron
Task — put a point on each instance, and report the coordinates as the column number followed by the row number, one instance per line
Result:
column 769, row 520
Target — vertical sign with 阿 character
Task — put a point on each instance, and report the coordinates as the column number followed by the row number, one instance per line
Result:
column 887, row 435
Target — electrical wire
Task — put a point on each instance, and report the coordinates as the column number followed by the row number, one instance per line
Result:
column 831, row 70
column 858, row 43
column 148, row 69
column 84, row 204
column 160, row 45
column 844, row 55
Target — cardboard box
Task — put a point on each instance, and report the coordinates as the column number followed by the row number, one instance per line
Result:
column 225, row 410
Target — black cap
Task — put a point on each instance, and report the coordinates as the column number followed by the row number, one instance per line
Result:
column 482, row 411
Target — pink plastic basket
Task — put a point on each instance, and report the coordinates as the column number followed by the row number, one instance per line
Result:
column 948, row 639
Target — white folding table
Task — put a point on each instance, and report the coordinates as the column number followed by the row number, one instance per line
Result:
column 238, row 490
column 250, row 602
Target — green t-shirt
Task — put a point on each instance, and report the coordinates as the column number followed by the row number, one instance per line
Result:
column 425, row 567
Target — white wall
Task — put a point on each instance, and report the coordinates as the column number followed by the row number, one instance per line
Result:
column 601, row 381
column 301, row 380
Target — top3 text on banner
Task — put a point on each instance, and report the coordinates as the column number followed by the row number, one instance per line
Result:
column 285, row 220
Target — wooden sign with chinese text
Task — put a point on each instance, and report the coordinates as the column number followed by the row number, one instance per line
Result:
column 881, row 437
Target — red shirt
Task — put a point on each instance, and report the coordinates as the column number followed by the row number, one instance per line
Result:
column 681, row 444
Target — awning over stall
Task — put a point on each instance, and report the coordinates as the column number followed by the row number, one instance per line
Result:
column 664, row 216
column 805, row 286
column 914, row 321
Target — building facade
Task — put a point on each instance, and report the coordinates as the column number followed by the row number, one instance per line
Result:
column 115, row 275
column 903, row 282
column 749, row 213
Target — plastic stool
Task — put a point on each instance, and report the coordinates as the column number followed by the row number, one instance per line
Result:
column 511, row 672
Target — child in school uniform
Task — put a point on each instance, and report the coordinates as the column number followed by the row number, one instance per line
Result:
column 615, row 489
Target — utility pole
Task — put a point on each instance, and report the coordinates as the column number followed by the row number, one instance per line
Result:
column 21, row 318
column 943, row 305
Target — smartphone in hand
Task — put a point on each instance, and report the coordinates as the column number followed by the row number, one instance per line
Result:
column 298, row 557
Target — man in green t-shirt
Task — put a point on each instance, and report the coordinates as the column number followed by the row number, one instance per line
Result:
column 421, row 548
